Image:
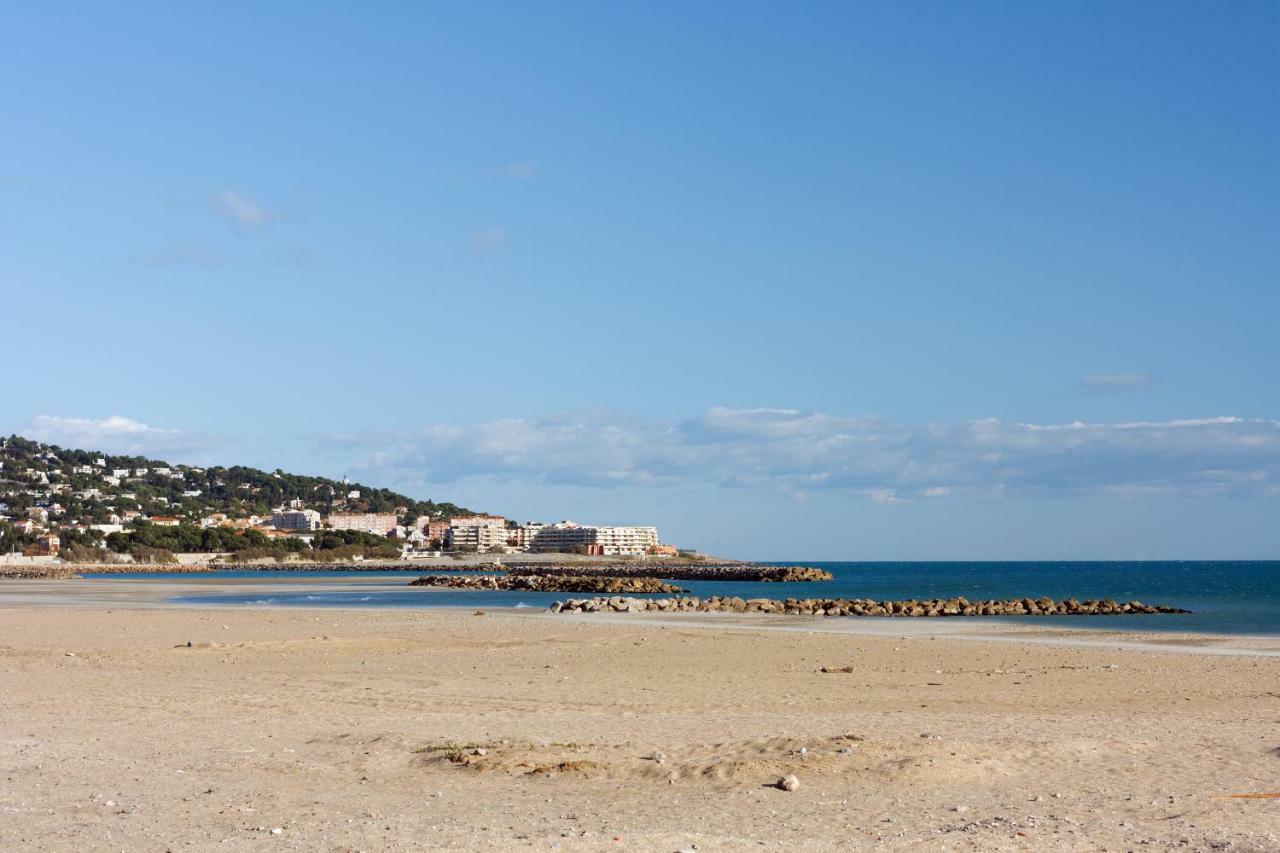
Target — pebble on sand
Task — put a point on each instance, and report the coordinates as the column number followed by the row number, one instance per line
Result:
column 789, row 783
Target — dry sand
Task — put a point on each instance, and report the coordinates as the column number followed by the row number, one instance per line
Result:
column 359, row 730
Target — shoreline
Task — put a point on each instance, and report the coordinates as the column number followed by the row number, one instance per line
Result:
column 140, row 594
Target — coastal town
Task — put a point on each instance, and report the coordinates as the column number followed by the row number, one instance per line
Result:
column 80, row 506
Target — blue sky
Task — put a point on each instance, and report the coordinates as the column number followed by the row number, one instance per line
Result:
column 824, row 280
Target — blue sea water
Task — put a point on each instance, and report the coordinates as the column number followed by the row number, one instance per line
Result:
column 1226, row 597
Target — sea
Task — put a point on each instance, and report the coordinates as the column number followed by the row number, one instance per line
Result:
column 1225, row 596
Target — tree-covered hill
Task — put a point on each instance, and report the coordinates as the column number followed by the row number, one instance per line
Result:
column 89, row 488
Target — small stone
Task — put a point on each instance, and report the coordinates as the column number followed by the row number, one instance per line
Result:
column 659, row 757
column 789, row 783
column 481, row 752
column 277, row 831
column 960, row 809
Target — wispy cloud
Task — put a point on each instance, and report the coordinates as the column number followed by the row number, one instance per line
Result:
column 521, row 171
column 803, row 452
column 240, row 210
column 186, row 255
column 489, row 241
column 1103, row 383
column 116, row 434
column 295, row 255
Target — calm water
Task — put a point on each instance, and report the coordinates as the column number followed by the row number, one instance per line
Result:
column 1227, row 597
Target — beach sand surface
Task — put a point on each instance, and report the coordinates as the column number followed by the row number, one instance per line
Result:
column 397, row 730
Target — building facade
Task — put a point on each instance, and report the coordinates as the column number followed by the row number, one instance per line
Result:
column 436, row 531
column 296, row 519
column 477, row 533
column 606, row 540
column 365, row 522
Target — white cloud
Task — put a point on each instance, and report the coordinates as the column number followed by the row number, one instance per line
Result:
column 808, row 451
column 490, row 240
column 116, row 434
column 240, row 210
column 1114, row 382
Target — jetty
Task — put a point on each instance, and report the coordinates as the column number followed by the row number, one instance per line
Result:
column 935, row 607
column 549, row 583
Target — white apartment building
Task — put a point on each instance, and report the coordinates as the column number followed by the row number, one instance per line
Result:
column 367, row 522
column 296, row 519
column 607, row 540
column 476, row 532
column 616, row 541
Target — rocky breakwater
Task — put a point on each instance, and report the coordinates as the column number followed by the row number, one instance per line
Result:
column 74, row 570
column 682, row 571
column 863, row 607
column 547, row 583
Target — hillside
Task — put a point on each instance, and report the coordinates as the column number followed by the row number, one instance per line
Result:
column 66, row 491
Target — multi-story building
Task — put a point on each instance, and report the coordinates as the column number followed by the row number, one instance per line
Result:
column 527, row 534
column 607, row 540
column 476, row 533
column 296, row 519
column 436, row 531
column 624, row 540
column 366, row 522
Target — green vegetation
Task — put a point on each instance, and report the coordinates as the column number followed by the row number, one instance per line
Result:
column 79, row 487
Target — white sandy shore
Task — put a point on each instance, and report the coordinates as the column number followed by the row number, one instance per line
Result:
column 337, row 728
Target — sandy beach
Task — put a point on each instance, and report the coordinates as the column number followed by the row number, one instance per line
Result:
column 395, row 730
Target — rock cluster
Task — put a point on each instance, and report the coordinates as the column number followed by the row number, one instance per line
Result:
column 685, row 571
column 863, row 607
column 559, row 583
